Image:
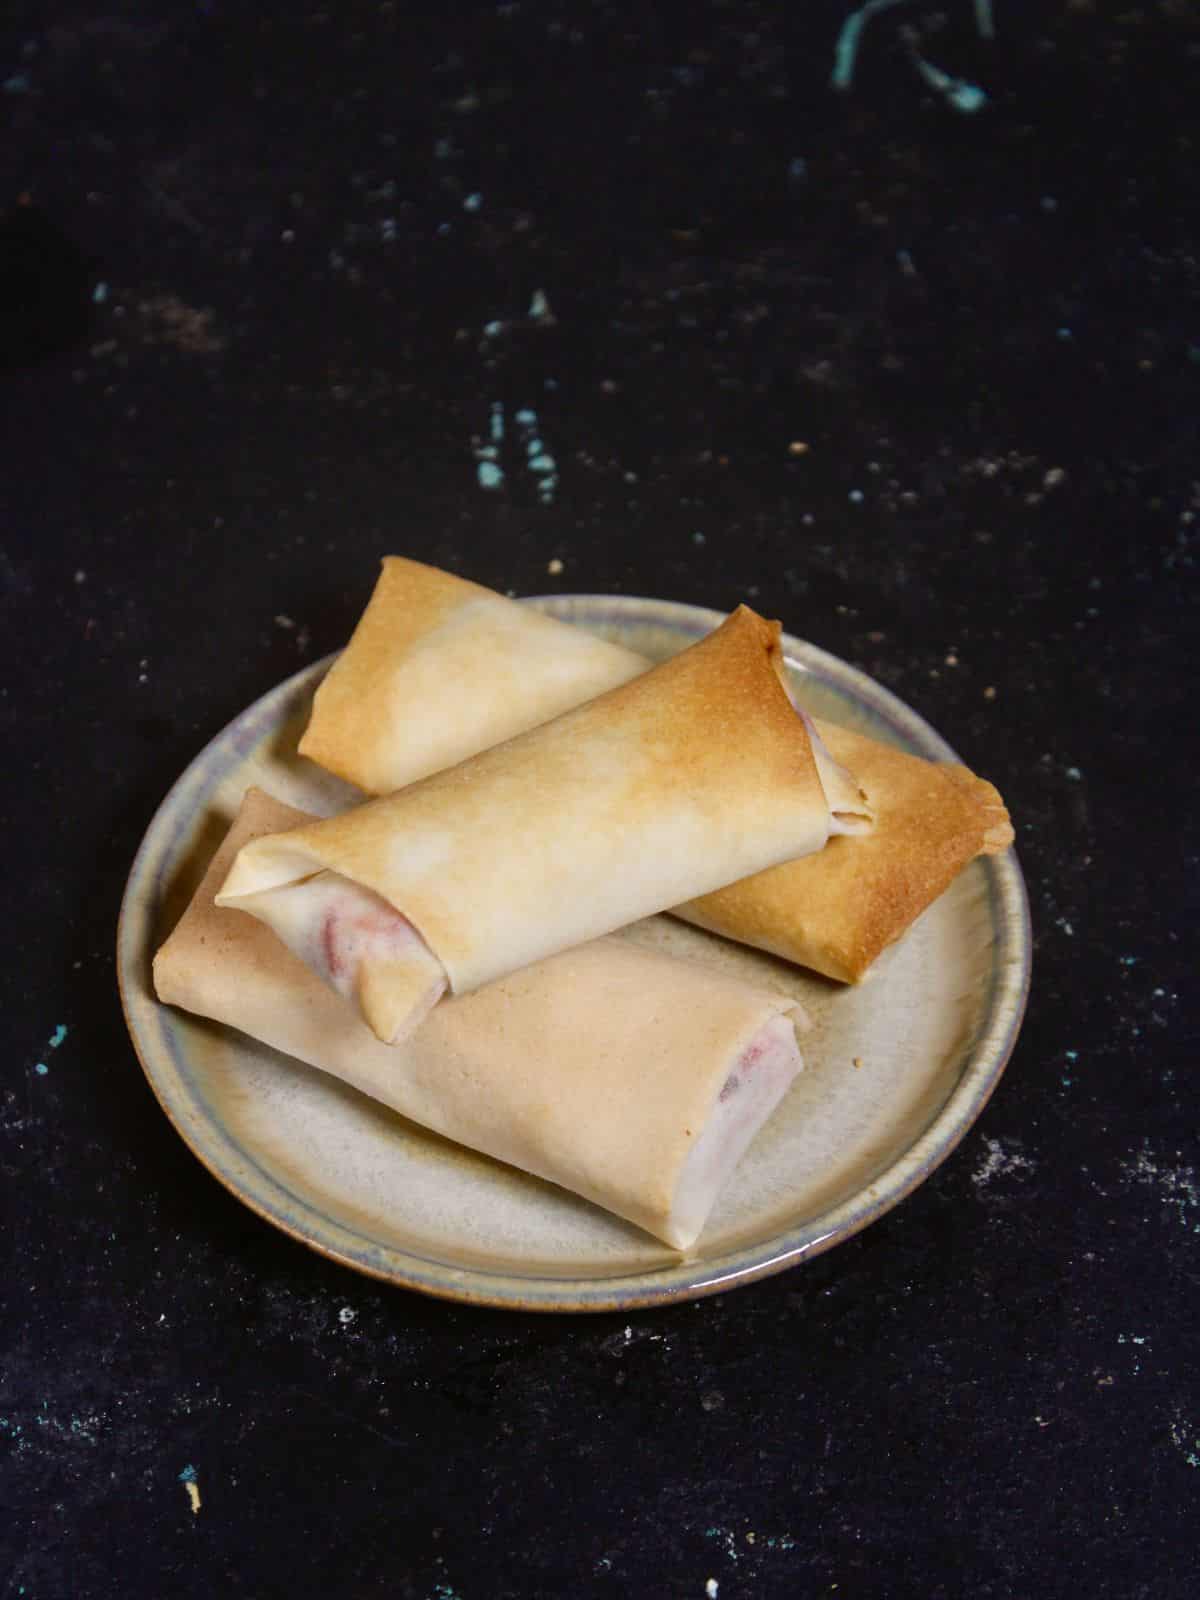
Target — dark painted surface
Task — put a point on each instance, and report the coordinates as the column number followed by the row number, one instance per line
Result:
column 924, row 385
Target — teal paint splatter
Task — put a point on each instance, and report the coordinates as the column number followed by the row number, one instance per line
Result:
column 488, row 471
column 956, row 92
column 473, row 202
column 52, row 1043
column 188, row 1475
column 845, row 55
column 539, row 460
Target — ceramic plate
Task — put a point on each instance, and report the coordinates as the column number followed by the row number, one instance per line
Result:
column 896, row 1069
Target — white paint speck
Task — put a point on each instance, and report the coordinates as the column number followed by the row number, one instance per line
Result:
column 998, row 1162
column 347, row 1315
column 711, row 1588
column 1176, row 1186
column 1186, row 1439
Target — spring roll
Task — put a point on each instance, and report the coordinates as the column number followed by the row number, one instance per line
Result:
column 632, row 1078
column 695, row 774
column 439, row 668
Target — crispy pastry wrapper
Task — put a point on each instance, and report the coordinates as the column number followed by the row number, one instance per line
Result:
column 440, row 668
column 631, row 1078
column 435, row 658
column 691, row 776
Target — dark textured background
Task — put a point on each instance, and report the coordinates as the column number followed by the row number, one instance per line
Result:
column 986, row 331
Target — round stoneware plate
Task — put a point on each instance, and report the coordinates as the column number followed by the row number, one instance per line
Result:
column 896, row 1070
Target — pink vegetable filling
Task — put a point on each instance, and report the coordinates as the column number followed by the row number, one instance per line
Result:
column 357, row 927
column 350, row 936
column 752, row 1053
column 754, row 1086
column 364, row 948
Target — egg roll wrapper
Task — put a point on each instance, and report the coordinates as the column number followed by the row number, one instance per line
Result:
column 440, row 668
column 837, row 912
column 834, row 911
column 605, row 1070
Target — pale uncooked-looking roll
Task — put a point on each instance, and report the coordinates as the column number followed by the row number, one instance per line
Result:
column 629, row 1077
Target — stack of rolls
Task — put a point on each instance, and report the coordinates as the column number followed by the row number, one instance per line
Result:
column 452, row 946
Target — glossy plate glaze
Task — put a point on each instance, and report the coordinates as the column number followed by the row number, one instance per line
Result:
column 897, row 1069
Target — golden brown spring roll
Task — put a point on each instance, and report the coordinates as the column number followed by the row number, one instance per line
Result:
column 691, row 776
column 631, row 1078
column 439, row 668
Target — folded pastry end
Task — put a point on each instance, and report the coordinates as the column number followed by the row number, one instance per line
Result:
column 757, row 1081
column 396, row 995
column 361, row 946
column 850, row 809
column 997, row 834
